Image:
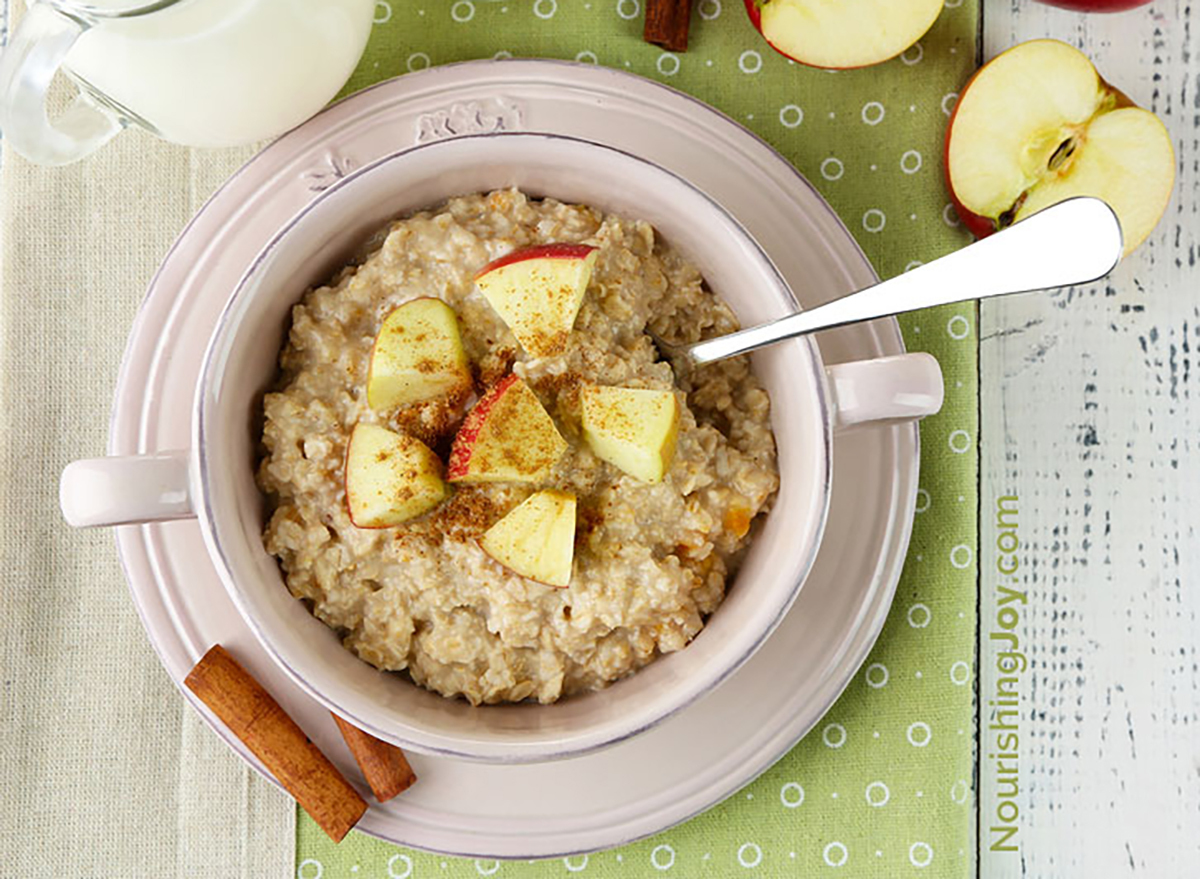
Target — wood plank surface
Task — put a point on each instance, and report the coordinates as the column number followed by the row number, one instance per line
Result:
column 1091, row 446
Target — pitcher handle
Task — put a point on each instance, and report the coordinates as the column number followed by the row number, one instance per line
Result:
column 28, row 64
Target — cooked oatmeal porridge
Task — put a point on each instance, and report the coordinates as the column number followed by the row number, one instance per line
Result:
column 651, row 559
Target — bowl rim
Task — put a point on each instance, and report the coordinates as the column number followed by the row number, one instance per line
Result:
column 510, row 752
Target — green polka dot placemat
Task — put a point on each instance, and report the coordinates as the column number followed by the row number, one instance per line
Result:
column 882, row 787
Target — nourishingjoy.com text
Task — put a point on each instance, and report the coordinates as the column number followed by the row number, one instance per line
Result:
column 1000, row 742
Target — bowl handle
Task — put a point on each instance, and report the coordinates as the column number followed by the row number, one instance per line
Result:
column 889, row 389
column 126, row 490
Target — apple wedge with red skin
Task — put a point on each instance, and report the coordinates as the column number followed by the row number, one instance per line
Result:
column 537, row 538
column 506, row 437
column 390, row 477
column 1037, row 125
column 417, row 357
column 537, row 291
column 844, row 34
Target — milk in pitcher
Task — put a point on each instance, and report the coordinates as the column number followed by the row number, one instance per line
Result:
column 222, row 72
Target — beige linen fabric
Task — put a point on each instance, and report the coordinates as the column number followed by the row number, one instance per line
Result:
column 107, row 772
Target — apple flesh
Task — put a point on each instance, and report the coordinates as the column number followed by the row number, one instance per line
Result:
column 634, row 429
column 390, row 477
column 842, row 34
column 1037, row 125
column 506, row 437
column 537, row 538
column 537, row 291
column 418, row 356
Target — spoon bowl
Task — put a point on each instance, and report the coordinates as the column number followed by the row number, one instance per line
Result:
column 1076, row 241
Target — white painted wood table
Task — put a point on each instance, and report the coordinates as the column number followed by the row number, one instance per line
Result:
column 1091, row 452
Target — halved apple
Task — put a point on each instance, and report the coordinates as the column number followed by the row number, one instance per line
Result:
column 390, row 477
column 418, row 356
column 537, row 291
column 537, row 538
column 1037, row 125
column 634, row 429
column 845, row 33
column 506, row 437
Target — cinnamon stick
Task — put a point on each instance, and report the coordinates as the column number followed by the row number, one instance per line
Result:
column 384, row 765
column 667, row 23
column 264, row 727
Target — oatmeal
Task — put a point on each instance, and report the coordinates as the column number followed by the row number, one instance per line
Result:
column 651, row 559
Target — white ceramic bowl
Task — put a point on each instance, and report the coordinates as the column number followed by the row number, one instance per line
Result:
column 214, row 480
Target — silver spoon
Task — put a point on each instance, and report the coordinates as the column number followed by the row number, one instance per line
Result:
column 1073, row 242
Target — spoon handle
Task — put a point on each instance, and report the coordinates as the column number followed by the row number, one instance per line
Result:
column 1074, row 242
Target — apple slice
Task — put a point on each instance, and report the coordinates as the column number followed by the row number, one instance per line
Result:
column 537, row 291
column 844, row 33
column 537, row 538
column 634, row 429
column 418, row 356
column 506, row 437
column 1037, row 125
column 390, row 477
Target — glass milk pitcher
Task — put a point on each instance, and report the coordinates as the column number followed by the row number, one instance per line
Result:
column 205, row 73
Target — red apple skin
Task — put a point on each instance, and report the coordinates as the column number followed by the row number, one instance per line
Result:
column 755, row 15
column 752, row 10
column 1097, row 5
column 977, row 225
column 464, row 440
column 756, row 19
column 540, row 251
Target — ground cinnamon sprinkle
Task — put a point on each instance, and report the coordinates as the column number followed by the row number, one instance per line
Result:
column 496, row 365
column 432, row 420
column 588, row 518
column 555, row 384
column 548, row 344
column 467, row 514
